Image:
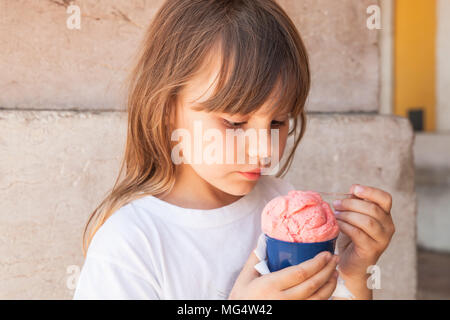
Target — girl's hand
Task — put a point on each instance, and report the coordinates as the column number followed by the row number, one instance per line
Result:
column 313, row 279
column 367, row 228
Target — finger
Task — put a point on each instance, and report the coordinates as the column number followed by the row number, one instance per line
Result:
column 366, row 207
column 364, row 222
column 358, row 236
column 327, row 289
column 310, row 286
column 293, row 275
column 378, row 196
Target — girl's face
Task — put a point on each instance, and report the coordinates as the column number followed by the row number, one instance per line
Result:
column 212, row 156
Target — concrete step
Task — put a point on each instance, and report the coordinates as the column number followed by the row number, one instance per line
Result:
column 55, row 168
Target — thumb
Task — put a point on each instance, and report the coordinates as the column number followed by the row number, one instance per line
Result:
column 249, row 272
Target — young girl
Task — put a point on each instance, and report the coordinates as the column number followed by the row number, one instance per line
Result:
column 174, row 229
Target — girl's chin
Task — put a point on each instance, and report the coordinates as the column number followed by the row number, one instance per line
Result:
column 240, row 187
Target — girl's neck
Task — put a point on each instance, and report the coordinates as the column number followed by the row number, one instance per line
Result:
column 193, row 192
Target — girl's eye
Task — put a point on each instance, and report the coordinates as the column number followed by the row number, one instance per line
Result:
column 233, row 125
column 276, row 123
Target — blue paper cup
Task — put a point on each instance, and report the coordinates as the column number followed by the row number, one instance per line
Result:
column 282, row 254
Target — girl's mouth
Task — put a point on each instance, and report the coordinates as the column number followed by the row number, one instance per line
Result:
column 251, row 175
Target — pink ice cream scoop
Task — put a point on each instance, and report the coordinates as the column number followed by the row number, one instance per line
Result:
column 300, row 216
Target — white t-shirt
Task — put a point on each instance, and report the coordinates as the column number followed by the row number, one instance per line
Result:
column 151, row 249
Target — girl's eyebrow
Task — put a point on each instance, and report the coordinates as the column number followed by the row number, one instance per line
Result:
column 282, row 113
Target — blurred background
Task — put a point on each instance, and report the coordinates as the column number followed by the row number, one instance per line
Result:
column 378, row 114
column 417, row 80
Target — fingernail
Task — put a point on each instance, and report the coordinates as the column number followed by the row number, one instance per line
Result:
column 337, row 203
column 358, row 190
column 336, row 212
column 335, row 274
column 328, row 256
column 336, row 258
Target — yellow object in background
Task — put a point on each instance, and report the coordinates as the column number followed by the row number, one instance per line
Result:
column 415, row 59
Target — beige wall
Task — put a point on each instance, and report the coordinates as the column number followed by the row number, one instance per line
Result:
column 386, row 39
column 45, row 65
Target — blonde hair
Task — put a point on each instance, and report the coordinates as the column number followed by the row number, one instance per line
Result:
column 262, row 52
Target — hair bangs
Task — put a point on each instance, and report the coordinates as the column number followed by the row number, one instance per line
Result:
column 257, row 69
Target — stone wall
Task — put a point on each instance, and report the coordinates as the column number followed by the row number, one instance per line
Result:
column 45, row 65
column 62, row 130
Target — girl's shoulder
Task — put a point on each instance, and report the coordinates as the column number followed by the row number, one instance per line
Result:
column 125, row 231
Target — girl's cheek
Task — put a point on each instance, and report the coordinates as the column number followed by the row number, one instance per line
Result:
column 236, row 153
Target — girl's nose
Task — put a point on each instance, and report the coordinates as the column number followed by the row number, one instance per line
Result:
column 260, row 152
